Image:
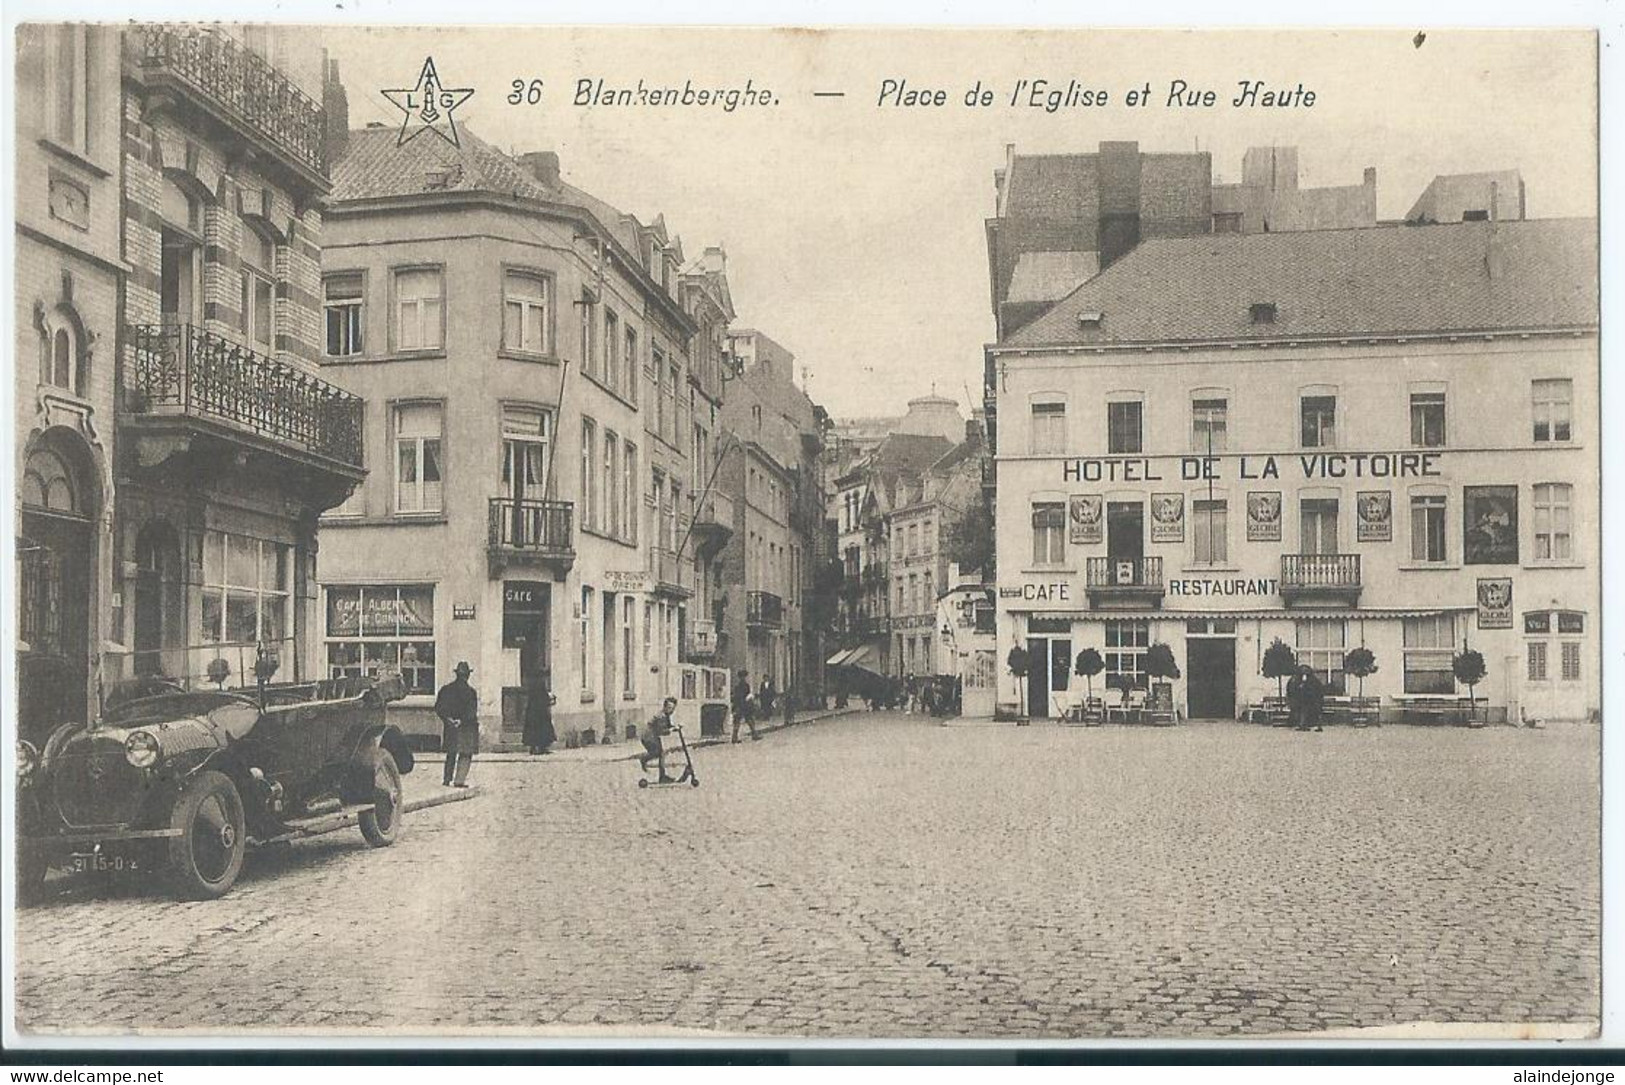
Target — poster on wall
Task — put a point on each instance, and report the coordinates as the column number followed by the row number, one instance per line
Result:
column 1375, row 513
column 1168, row 518
column 1086, row 519
column 1264, row 516
column 1490, row 527
column 1495, row 602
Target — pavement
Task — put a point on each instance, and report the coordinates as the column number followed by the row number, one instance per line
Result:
column 881, row 875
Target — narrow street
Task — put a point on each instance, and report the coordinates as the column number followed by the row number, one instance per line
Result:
column 879, row 874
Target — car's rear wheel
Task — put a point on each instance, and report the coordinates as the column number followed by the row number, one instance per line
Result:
column 381, row 785
column 207, row 854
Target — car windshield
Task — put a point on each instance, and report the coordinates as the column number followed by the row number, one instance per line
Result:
column 171, row 706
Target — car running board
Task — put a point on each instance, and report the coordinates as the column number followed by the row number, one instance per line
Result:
column 330, row 822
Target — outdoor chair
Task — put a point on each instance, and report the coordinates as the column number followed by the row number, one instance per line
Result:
column 1160, row 710
column 1093, row 712
column 1134, row 702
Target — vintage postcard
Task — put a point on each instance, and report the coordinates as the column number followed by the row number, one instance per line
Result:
column 747, row 534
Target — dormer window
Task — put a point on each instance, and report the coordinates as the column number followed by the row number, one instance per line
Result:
column 1261, row 312
column 1091, row 320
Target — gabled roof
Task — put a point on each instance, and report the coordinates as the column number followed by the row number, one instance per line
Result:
column 375, row 165
column 1470, row 277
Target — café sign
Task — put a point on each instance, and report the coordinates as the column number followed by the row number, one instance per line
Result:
column 1054, row 591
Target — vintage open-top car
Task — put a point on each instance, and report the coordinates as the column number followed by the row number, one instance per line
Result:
column 183, row 781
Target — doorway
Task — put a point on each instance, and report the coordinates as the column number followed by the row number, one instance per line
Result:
column 1210, row 690
column 526, row 626
column 159, row 601
column 1050, row 671
column 1125, row 531
column 611, row 692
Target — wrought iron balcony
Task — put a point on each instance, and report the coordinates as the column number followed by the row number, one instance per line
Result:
column 763, row 608
column 1320, row 576
column 666, row 572
column 526, row 531
column 183, row 370
column 1131, row 581
column 238, row 86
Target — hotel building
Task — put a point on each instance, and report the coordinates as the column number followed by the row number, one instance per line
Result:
column 1382, row 437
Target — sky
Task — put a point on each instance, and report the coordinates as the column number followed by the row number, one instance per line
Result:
column 855, row 230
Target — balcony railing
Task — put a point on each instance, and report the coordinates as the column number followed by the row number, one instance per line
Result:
column 239, row 83
column 526, row 525
column 1320, row 575
column 763, row 608
column 180, row 368
column 1130, row 573
column 1124, row 580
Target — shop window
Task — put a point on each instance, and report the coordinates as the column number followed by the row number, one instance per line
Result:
column 418, row 461
column 1321, row 644
column 1554, row 409
column 527, row 313
column 1537, row 661
column 342, row 304
column 1571, row 661
column 1429, row 646
column 382, row 629
column 1126, row 644
column 245, row 591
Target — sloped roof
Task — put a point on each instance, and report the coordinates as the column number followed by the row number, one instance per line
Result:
column 373, row 167
column 1463, row 277
column 909, row 453
column 1048, row 276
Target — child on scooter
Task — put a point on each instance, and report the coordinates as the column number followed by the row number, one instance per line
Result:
column 657, row 728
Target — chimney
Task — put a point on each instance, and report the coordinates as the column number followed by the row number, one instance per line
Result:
column 336, row 110
column 542, row 165
column 1371, row 177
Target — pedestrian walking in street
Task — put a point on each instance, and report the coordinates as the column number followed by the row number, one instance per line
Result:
column 654, row 733
column 539, row 734
column 458, row 706
column 766, row 695
column 742, row 706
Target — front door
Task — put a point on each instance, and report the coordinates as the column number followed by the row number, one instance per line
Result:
column 1038, row 677
column 1211, row 687
column 611, row 690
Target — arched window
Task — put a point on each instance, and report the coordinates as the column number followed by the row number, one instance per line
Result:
column 48, row 484
column 59, row 353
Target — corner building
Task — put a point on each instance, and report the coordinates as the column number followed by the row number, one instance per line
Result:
column 1381, row 437
column 523, row 349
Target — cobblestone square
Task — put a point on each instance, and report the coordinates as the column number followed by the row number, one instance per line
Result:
column 884, row 875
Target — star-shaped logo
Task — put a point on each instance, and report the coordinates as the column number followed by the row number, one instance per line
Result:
column 431, row 104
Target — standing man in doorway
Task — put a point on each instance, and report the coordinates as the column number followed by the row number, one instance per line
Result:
column 458, row 706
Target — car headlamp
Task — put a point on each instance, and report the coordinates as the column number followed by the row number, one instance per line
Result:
column 141, row 749
column 27, row 760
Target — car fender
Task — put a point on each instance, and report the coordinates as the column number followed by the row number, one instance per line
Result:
column 389, row 737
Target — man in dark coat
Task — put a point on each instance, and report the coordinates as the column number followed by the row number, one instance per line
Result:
column 539, row 733
column 766, row 694
column 741, row 706
column 458, row 706
column 1305, row 695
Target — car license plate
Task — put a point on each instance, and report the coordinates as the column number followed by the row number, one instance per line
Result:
column 85, row 862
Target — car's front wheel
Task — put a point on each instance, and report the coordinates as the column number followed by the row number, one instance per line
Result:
column 381, row 786
column 206, row 855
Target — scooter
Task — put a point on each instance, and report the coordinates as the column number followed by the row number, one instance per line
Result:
column 687, row 777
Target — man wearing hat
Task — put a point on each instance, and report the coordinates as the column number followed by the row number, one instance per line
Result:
column 458, row 706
